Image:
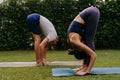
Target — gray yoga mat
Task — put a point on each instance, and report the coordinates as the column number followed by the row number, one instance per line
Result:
column 26, row 64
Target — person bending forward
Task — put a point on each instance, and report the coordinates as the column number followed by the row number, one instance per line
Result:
column 83, row 28
column 37, row 24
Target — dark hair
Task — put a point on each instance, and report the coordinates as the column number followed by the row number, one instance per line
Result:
column 77, row 54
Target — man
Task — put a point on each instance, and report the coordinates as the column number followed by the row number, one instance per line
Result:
column 37, row 24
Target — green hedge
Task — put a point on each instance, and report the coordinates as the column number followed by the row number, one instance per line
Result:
column 13, row 29
column 108, row 35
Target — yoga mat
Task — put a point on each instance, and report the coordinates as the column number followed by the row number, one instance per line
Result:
column 26, row 64
column 105, row 71
column 62, row 72
column 70, row 72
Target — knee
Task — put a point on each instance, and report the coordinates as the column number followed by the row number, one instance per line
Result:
column 37, row 40
column 94, row 55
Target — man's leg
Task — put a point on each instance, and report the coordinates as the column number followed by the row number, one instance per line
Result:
column 43, row 50
column 37, row 41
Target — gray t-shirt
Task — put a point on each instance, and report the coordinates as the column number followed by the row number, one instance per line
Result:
column 48, row 28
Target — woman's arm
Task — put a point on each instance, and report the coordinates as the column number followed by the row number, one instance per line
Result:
column 75, row 40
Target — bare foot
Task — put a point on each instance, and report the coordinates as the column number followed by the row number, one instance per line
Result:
column 39, row 64
column 76, row 69
column 80, row 73
column 45, row 63
column 83, row 69
column 80, row 69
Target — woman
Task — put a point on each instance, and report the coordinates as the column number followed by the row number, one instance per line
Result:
column 83, row 28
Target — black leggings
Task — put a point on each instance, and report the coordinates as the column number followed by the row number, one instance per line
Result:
column 91, row 17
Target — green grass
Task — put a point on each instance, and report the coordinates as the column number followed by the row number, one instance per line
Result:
column 105, row 58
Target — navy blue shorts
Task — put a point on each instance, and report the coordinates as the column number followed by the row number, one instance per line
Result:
column 33, row 23
column 77, row 28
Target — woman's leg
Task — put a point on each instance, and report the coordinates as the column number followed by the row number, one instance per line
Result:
column 91, row 16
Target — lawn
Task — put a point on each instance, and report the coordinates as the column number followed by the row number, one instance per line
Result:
column 105, row 58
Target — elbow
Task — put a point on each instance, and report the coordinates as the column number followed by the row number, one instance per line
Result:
column 94, row 55
column 72, row 41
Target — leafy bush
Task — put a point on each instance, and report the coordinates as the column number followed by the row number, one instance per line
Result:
column 13, row 29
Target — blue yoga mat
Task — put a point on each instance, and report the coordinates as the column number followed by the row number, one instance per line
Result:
column 62, row 72
column 70, row 72
column 105, row 71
